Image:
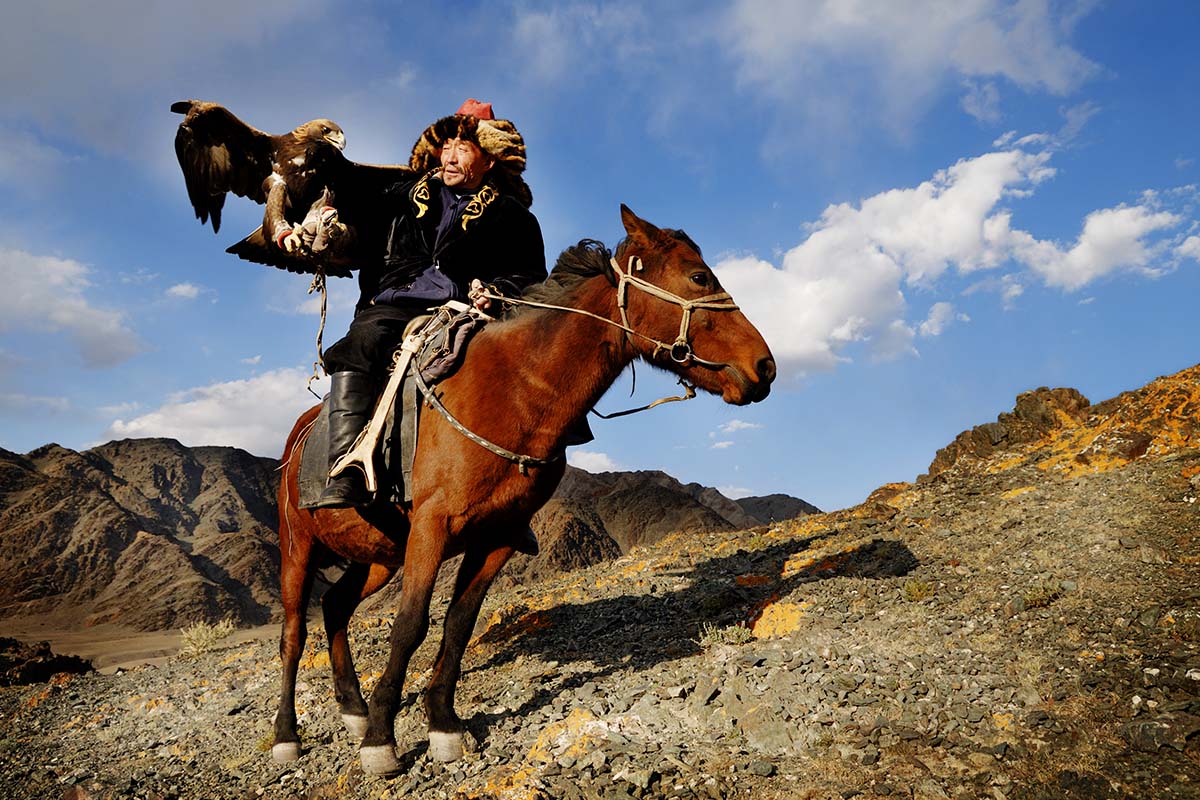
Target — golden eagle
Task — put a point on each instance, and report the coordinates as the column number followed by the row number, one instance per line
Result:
column 297, row 175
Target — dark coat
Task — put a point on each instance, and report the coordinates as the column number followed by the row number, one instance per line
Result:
column 496, row 239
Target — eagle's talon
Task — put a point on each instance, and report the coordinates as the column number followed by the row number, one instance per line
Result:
column 293, row 241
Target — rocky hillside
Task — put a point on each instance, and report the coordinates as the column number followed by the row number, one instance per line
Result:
column 1022, row 623
column 146, row 533
column 152, row 535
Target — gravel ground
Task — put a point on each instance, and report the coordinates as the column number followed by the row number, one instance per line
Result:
column 1000, row 631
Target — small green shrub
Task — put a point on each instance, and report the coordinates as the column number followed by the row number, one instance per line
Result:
column 1043, row 594
column 202, row 637
column 711, row 635
column 916, row 590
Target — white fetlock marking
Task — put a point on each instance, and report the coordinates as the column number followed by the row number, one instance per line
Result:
column 379, row 759
column 445, row 746
column 285, row 751
column 355, row 725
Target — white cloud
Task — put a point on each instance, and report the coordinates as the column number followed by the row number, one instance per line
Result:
column 940, row 317
column 15, row 401
column 26, row 161
column 86, row 63
column 736, row 492
column 45, row 293
column 893, row 58
column 844, row 285
column 252, row 360
column 119, row 409
column 592, row 461
column 982, row 101
column 722, row 445
column 558, row 43
column 1112, row 239
column 186, row 291
column 1190, row 248
column 735, row 425
column 255, row 414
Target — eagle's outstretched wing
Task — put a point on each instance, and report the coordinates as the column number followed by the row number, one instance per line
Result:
column 294, row 175
column 356, row 191
column 219, row 154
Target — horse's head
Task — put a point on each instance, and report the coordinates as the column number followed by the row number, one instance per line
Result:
column 685, row 321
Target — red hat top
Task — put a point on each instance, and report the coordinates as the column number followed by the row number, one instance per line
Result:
column 473, row 108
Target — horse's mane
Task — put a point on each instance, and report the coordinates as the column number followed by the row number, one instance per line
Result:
column 581, row 262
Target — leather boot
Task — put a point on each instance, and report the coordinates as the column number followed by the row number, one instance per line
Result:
column 351, row 401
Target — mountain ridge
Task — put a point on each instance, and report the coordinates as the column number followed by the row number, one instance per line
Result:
column 154, row 535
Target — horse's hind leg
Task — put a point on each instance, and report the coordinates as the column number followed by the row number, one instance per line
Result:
column 295, row 585
column 359, row 582
column 479, row 568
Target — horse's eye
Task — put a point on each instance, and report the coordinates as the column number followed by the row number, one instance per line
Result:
column 700, row 279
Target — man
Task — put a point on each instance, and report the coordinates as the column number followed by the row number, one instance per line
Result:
column 463, row 223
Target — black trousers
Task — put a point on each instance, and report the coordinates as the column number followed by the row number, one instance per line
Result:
column 374, row 335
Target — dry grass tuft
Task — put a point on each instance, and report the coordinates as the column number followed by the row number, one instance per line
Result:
column 202, row 637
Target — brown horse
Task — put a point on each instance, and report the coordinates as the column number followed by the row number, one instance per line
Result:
column 527, row 381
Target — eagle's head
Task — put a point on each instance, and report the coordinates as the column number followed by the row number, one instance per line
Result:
column 322, row 130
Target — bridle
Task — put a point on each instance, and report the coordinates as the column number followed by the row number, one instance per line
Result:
column 681, row 349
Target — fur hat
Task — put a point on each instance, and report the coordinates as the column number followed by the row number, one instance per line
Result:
column 499, row 138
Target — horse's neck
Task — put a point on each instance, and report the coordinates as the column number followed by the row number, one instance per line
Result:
column 553, row 366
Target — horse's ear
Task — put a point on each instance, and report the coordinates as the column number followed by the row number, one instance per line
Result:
column 635, row 226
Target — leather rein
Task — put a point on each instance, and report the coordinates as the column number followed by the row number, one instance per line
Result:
column 680, row 350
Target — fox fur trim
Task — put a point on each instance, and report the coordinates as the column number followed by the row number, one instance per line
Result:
column 498, row 138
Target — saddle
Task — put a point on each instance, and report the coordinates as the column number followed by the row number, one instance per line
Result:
column 434, row 346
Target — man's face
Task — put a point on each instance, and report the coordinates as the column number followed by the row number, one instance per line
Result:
column 464, row 165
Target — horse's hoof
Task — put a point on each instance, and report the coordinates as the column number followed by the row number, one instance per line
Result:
column 379, row 759
column 445, row 746
column 355, row 725
column 284, row 752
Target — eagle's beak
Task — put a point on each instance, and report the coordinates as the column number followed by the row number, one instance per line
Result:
column 337, row 139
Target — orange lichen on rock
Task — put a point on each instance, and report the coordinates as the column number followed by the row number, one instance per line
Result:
column 753, row 580
column 315, row 659
column 574, row 736
column 1017, row 492
column 813, row 564
column 1157, row 420
column 779, row 619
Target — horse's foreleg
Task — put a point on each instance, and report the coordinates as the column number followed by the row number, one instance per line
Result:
column 359, row 582
column 479, row 568
column 295, row 584
column 422, row 558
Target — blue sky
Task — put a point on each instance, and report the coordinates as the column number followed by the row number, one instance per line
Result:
column 927, row 207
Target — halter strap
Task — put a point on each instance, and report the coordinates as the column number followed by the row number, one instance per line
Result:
column 681, row 348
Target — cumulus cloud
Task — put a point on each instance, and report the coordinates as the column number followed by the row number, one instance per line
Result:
column 186, row 291
column 26, row 161
column 592, row 460
column 1190, row 248
column 735, row 425
column 940, row 317
column 895, row 57
column 255, row 414
column 89, row 59
column 15, row 401
column 735, row 492
column 722, row 445
column 844, row 285
column 982, row 101
column 45, row 293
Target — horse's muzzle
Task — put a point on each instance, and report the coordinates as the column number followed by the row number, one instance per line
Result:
column 753, row 389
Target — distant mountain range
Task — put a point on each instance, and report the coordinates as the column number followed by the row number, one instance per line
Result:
column 153, row 535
